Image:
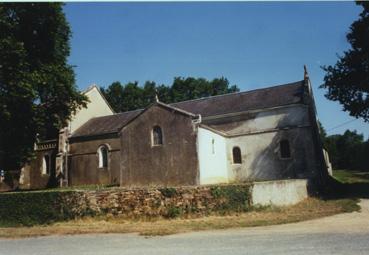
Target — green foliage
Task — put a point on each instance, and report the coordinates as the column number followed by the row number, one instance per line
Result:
column 37, row 86
column 348, row 151
column 132, row 96
column 168, row 192
column 236, row 197
column 348, row 80
column 31, row 208
column 351, row 176
column 173, row 212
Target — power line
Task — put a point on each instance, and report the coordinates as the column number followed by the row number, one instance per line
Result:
column 343, row 124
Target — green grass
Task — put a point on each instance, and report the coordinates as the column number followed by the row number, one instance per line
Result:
column 346, row 176
column 348, row 184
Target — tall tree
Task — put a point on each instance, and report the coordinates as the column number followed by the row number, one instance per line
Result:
column 114, row 95
column 192, row 88
column 132, row 96
column 37, row 86
column 348, row 80
column 348, row 151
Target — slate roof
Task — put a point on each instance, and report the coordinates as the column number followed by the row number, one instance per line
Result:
column 106, row 124
column 280, row 95
column 245, row 101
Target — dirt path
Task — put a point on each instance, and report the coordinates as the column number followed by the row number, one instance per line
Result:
column 355, row 222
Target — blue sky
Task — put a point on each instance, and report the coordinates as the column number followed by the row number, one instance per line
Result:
column 252, row 44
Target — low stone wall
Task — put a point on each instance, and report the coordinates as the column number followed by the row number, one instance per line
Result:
column 167, row 202
column 280, row 193
column 40, row 207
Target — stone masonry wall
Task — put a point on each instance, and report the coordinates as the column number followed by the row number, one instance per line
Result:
column 42, row 207
column 162, row 202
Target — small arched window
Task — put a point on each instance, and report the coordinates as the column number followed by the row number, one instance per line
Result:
column 236, row 152
column 284, row 147
column 157, row 136
column 103, row 156
column 46, row 165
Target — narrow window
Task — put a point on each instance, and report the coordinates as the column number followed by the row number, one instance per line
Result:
column 237, row 159
column 157, row 136
column 103, row 156
column 46, row 165
column 212, row 146
column 284, row 146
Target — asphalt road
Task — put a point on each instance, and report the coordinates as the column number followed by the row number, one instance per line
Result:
column 339, row 234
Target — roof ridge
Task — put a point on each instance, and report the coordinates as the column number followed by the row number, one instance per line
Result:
column 176, row 108
column 239, row 92
column 118, row 113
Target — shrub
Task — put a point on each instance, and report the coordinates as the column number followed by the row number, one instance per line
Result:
column 30, row 208
column 168, row 192
column 173, row 212
column 236, row 197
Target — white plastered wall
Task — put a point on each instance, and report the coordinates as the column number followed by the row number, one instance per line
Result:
column 260, row 151
column 97, row 107
column 212, row 157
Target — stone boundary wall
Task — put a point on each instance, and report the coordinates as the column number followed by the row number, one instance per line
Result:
column 46, row 206
column 42, row 207
column 174, row 201
column 165, row 202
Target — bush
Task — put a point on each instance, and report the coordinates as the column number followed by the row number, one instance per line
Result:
column 236, row 197
column 31, row 208
column 168, row 192
column 173, row 212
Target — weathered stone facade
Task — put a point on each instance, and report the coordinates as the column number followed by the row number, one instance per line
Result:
column 33, row 176
column 83, row 161
column 40, row 172
column 172, row 163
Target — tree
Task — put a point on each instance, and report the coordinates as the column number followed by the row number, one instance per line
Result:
column 131, row 96
column 192, row 88
column 348, row 151
column 37, row 86
column 348, row 80
column 114, row 95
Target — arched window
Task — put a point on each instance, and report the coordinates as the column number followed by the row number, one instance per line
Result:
column 103, row 156
column 284, row 147
column 236, row 152
column 157, row 136
column 46, row 165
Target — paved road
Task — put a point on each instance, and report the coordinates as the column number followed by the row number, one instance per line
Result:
column 340, row 234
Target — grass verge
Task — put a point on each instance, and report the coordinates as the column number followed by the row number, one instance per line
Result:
column 308, row 209
column 346, row 176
